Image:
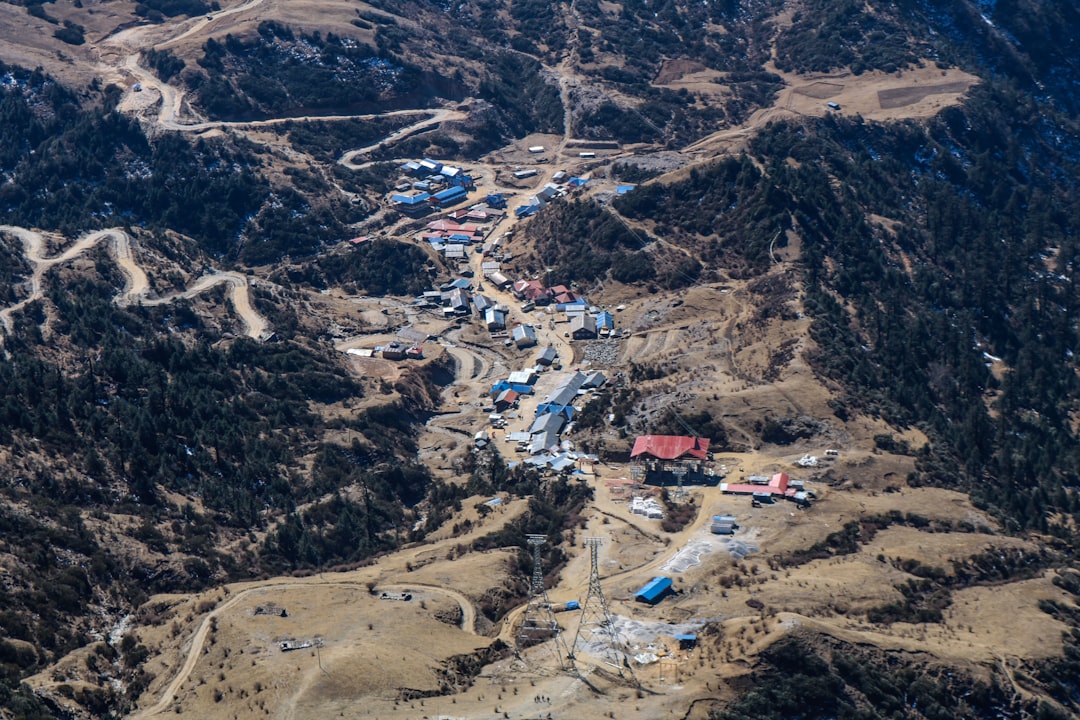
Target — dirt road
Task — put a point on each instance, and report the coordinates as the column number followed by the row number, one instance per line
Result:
column 136, row 286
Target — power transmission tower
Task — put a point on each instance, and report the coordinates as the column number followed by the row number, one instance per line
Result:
column 680, row 472
column 597, row 627
column 539, row 623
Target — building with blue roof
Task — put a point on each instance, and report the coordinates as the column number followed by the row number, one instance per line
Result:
column 605, row 322
column 450, row 195
column 654, row 591
column 410, row 200
column 516, row 387
column 566, row 411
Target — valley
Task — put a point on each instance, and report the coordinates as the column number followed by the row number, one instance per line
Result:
column 729, row 271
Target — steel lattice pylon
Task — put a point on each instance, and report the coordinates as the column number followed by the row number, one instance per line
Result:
column 539, row 623
column 597, row 627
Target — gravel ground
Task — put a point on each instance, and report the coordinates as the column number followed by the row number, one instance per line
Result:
column 602, row 352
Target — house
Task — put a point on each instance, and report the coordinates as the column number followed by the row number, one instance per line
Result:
column 394, row 351
column 482, row 303
column 416, row 352
column 583, row 327
column 524, row 336
column 548, row 193
column 458, row 301
column 506, row 399
column 594, row 380
column 532, row 290
column 454, row 252
column 523, row 377
column 559, row 176
column 489, row 266
column 495, row 319
column 525, row 211
column 654, row 591
column 546, row 356
column 536, row 149
column 495, row 200
column 605, row 323
column 525, row 173
column 498, row 279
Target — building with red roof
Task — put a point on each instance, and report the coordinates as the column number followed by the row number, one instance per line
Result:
column 663, row 459
column 670, row 447
column 778, row 486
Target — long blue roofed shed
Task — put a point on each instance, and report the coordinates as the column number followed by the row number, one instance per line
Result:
column 654, row 591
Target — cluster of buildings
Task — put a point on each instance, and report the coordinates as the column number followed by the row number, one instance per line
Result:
column 392, row 351
column 428, row 184
column 764, row 489
column 586, row 322
column 553, row 416
column 561, row 184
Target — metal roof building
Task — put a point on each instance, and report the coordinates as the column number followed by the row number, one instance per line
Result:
column 450, row 195
column 654, row 591
column 410, row 200
column 546, row 356
column 524, row 336
column 567, row 390
column 547, row 423
column 594, row 380
column 670, row 447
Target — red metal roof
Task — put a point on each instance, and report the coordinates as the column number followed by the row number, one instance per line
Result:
column 747, row 489
column 670, row 447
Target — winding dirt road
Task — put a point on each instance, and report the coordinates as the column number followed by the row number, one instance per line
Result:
column 136, row 286
column 198, row 640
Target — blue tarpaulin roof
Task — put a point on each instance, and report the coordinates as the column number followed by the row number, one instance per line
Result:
column 654, row 590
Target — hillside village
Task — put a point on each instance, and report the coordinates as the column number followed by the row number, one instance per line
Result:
column 814, row 461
